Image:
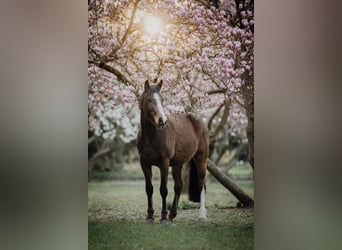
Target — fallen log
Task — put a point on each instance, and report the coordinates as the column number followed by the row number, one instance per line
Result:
column 230, row 185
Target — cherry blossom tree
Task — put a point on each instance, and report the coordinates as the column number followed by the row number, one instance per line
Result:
column 203, row 51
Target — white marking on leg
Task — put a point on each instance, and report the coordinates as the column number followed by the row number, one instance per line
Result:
column 203, row 211
column 160, row 107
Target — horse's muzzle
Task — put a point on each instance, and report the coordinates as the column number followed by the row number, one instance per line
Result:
column 161, row 123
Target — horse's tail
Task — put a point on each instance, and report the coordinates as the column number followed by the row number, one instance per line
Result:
column 194, row 185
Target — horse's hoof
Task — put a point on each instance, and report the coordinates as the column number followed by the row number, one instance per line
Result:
column 149, row 221
column 202, row 218
column 163, row 222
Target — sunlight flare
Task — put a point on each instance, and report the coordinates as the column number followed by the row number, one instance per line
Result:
column 152, row 25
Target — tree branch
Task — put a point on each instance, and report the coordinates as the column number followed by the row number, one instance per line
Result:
column 214, row 115
column 112, row 70
column 91, row 139
column 99, row 153
column 223, row 118
column 234, row 154
column 216, row 91
column 130, row 21
column 204, row 3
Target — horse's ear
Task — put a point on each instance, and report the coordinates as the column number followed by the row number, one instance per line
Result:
column 147, row 85
column 160, row 84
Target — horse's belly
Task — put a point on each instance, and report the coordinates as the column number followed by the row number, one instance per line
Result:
column 183, row 153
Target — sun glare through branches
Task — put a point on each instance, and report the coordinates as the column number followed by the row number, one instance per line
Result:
column 152, row 25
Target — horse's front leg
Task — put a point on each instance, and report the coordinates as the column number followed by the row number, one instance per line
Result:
column 149, row 191
column 164, row 170
column 177, row 177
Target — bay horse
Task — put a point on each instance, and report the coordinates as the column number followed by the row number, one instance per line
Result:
column 165, row 141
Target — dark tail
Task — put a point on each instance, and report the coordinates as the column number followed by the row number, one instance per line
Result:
column 194, row 186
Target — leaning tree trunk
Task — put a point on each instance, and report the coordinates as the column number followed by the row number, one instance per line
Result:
column 230, row 185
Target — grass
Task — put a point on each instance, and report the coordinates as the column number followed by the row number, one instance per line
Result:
column 117, row 209
column 241, row 171
column 133, row 235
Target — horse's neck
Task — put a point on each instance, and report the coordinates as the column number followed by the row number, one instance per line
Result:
column 148, row 130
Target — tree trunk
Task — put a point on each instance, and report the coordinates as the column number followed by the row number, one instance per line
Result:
column 230, row 185
column 220, row 127
column 250, row 136
column 94, row 156
column 234, row 156
column 220, row 155
column 248, row 94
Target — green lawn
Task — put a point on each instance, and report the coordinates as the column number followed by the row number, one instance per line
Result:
column 117, row 209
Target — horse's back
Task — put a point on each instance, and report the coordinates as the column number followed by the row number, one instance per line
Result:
column 190, row 137
column 183, row 128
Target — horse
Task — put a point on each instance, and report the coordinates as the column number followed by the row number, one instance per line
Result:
column 171, row 141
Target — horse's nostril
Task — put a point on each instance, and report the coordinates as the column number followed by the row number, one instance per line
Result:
column 161, row 122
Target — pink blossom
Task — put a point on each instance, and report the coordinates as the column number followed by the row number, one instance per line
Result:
column 197, row 66
column 237, row 44
column 205, row 38
column 245, row 22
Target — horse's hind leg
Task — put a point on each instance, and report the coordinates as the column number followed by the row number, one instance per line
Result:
column 177, row 177
column 201, row 162
column 203, row 211
column 149, row 191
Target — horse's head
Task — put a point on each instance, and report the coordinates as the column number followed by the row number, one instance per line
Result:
column 151, row 104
